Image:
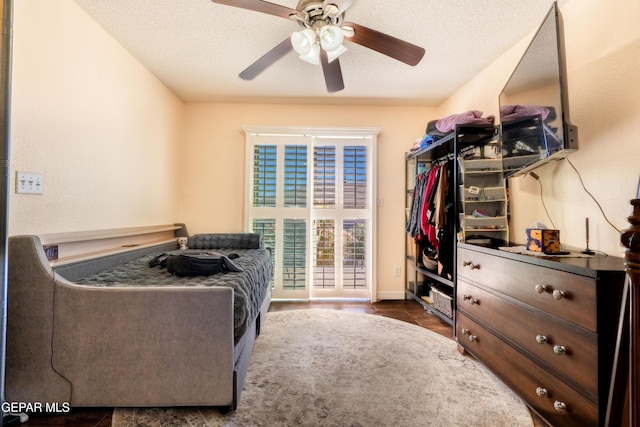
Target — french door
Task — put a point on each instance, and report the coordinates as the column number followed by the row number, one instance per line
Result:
column 310, row 193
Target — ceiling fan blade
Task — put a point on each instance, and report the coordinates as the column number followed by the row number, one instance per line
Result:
column 267, row 60
column 342, row 5
column 260, row 6
column 332, row 73
column 395, row 48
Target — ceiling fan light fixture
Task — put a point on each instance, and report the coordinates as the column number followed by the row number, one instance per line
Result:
column 303, row 41
column 331, row 38
column 313, row 56
column 334, row 54
column 306, row 45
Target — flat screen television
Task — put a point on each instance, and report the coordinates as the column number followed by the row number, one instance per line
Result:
column 534, row 107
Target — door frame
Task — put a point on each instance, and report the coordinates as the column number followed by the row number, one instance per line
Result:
column 321, row 133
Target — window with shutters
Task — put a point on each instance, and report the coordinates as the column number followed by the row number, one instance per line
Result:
column 264, row 173
column 310, row 194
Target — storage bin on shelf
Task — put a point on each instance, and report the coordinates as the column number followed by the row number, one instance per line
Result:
column 429, row 259
column 442, row 302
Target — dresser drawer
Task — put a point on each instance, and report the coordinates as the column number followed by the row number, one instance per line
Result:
column 552, row 399
column 569, row 296
column 569, row 351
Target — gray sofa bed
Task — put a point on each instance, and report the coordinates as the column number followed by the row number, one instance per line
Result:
column 112, row 331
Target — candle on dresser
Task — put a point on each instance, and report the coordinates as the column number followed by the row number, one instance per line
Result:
column 587, row 226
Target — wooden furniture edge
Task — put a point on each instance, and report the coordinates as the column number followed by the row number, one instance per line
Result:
column 82, row 245
column 111, row 251
column 83, row 236
column 623, row 408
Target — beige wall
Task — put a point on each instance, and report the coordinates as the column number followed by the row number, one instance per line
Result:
column 603, row 56
column 101, row 129
column 117, row 149
column 213, row 174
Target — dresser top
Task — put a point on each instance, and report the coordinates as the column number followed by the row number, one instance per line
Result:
column 591, row 266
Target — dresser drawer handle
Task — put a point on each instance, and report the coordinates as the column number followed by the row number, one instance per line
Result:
column 541, row 289
column 542, row 392
column 471, row 299
column 470, row 264
column 559, row 349
column 472, row 338
column 558, row 294
column 541, row 339
column 560, row 406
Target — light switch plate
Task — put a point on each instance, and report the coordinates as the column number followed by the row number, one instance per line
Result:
column 29, row 183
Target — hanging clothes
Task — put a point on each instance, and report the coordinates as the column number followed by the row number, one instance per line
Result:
column 449, row 226
column 413, row 221
column 431, row 220
column 428, row 207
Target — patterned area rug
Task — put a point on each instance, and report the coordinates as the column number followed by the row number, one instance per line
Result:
column 336, row 368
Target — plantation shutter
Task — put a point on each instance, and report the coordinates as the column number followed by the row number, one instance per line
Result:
column 324, row 178
column 264, row 175
column 355, row 177
column 295, row 175
column 310, row 198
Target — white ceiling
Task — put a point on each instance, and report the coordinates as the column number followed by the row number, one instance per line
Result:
column 198, row 48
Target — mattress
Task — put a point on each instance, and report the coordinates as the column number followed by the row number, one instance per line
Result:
column 250, row 286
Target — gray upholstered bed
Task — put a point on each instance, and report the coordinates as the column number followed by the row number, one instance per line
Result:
column 113, row 331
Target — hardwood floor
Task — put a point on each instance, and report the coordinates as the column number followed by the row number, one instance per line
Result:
column 408, row 311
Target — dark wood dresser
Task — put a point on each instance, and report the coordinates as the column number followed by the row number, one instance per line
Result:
column 546, row 326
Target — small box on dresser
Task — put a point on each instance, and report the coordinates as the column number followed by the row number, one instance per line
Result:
column 540, row 240
column 545, row 325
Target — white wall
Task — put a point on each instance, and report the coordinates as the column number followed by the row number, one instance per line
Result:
column 603, row 56
column 101, row 128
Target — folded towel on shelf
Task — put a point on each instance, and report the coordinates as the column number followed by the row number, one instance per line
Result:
column 422, row 143
column 471, row 117
column 433, row 131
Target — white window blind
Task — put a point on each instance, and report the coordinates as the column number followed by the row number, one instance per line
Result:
column 324, row 177
column 310, row 197
column 355, row 177
column 294, row 258
column 264, row 175
column 324, row 275
column 354, row 254
column 295, row 175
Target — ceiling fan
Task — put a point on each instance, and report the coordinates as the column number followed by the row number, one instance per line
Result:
column 321, row 39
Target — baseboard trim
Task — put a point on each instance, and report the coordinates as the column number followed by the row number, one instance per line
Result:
column 391, row 295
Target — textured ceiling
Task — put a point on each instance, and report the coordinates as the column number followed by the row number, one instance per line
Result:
column 197, row 48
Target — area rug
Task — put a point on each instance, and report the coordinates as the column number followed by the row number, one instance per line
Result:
column 323, row 367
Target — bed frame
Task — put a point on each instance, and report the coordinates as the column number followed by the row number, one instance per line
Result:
column 109, row 346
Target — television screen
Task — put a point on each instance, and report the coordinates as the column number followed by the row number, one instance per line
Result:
column 534, row 110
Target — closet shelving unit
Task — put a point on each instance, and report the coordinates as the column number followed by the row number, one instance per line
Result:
column 419, row 280
column 483, row 199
